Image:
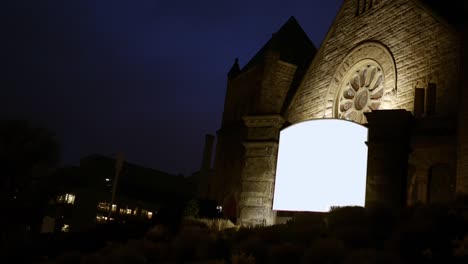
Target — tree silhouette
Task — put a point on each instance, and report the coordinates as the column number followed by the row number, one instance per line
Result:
column 27, row 156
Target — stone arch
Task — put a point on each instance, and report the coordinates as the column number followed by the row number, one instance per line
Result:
column 370, row 54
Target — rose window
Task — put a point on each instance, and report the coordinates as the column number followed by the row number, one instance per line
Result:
column 361, row 93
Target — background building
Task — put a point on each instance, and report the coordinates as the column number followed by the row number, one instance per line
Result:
column 85, row 198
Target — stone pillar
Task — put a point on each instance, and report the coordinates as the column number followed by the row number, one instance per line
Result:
column 387, row 163
column 462, row 162
column 259, row 170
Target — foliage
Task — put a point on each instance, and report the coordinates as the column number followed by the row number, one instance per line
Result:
column 285, row 252
column 325, row 250
column 420, row 235
column 242, row 258
column 192, row 208
column 28, row 155
column 26, row 152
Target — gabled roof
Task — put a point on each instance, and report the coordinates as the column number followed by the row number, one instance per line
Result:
column 291, row 42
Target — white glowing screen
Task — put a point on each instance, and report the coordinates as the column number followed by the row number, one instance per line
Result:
column 321, row 163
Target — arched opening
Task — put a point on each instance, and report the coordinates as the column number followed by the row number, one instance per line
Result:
column 230, row 208
column 440, row 184
column 321, row 163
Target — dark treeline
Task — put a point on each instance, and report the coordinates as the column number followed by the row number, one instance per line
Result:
column 421, row 234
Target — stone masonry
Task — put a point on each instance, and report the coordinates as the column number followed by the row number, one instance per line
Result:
column 247, row 141
column 424, row 49
column 258, row 174
column 375, row 55
column 387, row 165
column 462, row 170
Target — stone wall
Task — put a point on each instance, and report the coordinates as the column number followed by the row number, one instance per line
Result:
column 259, row 171
column 387, row 162
column 239, row 101
column 259, row 90
column 433, row 142
column 424, row 49
column 278, row 76
column 462, row 170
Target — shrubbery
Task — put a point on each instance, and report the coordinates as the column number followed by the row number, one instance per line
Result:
column 346, row 235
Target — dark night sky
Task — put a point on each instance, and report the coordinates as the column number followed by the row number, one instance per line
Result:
column 145, row 77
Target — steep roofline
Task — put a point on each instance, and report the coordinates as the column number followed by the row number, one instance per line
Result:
column 436, row 15
column 314, row 60
column 259, row 55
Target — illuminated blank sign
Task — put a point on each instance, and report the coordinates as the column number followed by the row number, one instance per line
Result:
column 321, row 163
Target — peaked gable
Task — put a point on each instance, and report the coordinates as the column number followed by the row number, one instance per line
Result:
column 423, row 49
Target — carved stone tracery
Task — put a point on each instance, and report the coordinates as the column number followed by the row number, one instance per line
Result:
column 361, row 92
column 364, row 81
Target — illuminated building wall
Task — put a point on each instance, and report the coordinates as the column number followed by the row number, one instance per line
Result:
column 377, row 55
column 375, row 58
column 410, row 45
column 255, row 100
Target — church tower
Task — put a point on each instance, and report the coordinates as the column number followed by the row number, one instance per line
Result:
column 247, row 143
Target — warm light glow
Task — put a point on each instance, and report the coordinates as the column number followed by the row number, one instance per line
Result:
column 65, row 228
column 70, row 198
column 103, row 206
column 66, row 198
column 101, row 218
column 321, row 163
column 114, row 207
column 150, row 215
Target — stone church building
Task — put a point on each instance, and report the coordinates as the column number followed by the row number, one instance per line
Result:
column 396, row 66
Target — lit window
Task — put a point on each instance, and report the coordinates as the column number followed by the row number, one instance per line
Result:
column 65, row 228
column 101, row 218
column 114, row 207
column 66, row 198
column 129, row 211
column 135, row 211
column 219, row 208
column 70, row 198
column 103, row 206
column 122, row 211
column 61, row 198
column 150, row 215
column 107, row 179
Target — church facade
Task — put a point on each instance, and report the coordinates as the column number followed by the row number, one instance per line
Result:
column 395, row 66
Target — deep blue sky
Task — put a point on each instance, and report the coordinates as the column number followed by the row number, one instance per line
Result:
column 146, row 77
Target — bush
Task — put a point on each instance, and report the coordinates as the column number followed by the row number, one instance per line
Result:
column 69, row 257
column 252, row 245
column 354, row 236
column 192, row 209
column 285, row 253
column 158, row 233
column 370, row 256
column 242, row 258
column 325, row 250
column 347, row 216
column 461, row 248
